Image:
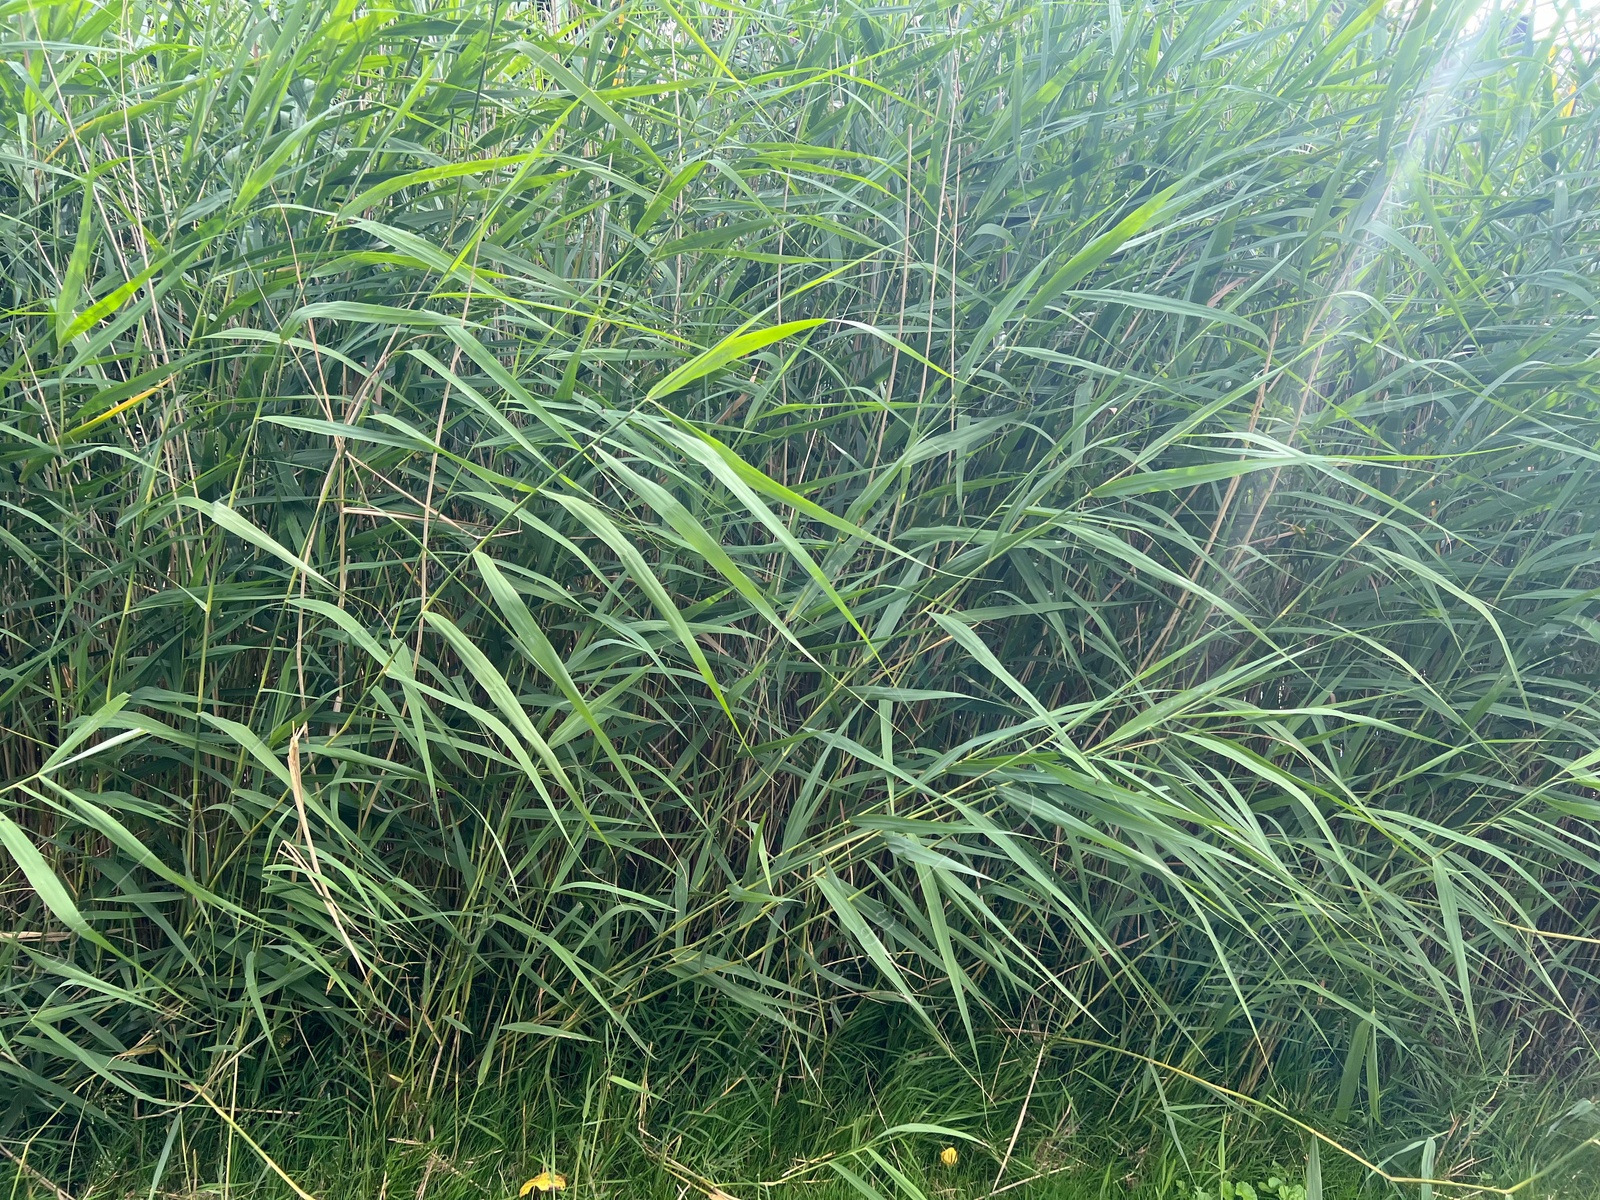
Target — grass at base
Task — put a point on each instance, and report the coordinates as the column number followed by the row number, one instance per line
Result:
column 868, row 1125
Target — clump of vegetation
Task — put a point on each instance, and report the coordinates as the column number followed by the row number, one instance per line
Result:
column 579, row 569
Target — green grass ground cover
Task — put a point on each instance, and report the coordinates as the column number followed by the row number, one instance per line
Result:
column 722, row 597
column 1040, row 1126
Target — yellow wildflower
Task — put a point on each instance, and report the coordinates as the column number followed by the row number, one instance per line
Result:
column 544, row 1181
column 949, row 1157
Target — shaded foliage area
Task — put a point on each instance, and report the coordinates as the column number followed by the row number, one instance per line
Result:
column 520, row 518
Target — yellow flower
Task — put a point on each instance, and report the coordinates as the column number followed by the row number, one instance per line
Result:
column 949, row 1157
column 544, row 1181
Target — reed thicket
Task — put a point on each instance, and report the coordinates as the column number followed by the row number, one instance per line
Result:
column 539, row 527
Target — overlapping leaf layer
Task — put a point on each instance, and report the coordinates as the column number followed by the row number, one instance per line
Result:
column 517, row 515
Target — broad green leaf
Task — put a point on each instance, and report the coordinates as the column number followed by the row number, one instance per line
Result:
column 1097, row 251
column 230, row 520
column 46, row 884
column 730, row 349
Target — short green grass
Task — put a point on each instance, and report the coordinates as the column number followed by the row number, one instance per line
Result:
column 1034, row 1125
column 802, row 550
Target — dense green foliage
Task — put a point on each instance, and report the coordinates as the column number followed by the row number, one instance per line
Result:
column 679, row 522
